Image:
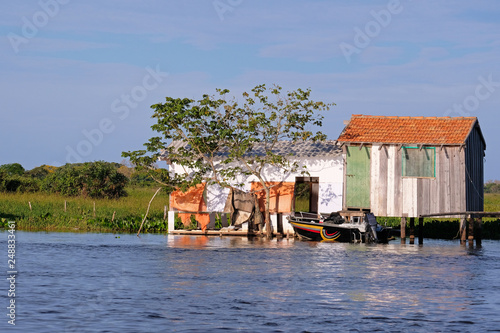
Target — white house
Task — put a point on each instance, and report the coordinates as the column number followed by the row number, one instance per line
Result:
column 323, row 161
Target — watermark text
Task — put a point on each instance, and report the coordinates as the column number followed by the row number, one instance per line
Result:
column 121, row 108
column 32, row 25
column 470, row 103
column 11, row 273
column 223, row 6
column 363, row 37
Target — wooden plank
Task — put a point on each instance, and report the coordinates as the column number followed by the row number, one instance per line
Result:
column 382, row 180
column 314, row 198
column 344, row 184
column 471, row 232
column 434, row 188
column 398, row 182
column 478, row 231
column 425, row 201
column 375, row 181
column 391, row 181
column 421, row 230
column 420, row 196
column 463, row 230
column 412, row 230
column 403, row 229
column 410, row 196
column 461, row 181
column 407, row 196
column 444, row 181
column 474, row 167
column 223, row 220
column 454, row 182
column 473, row 214
column 358, row 177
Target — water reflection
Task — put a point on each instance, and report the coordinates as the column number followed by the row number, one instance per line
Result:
column 161, row 283
column 205, row 242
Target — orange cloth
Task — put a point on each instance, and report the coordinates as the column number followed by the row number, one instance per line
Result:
column 203, row 219
column 281, row 196
column 185, row 218
column 190, row 201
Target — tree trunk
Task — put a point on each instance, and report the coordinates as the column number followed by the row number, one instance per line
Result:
column 269, row 233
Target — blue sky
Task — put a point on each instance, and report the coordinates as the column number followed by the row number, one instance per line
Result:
column 78, row 77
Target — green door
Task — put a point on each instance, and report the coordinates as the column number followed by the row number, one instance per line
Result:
column 358, row 177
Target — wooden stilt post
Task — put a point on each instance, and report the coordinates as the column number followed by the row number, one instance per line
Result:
column 251, row 225
column 412, row 230
column 420, row 230
column 471, row 232
column 164, row 213
column 65, row 206
column 94, row 208
column 463, row 230
column 403, row 228
column 479, row 230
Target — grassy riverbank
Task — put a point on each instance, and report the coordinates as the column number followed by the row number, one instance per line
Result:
column 48, row 212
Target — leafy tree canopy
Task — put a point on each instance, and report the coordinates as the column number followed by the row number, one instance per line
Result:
column 220, row 135
column 492, row 186
column 93, row 179
column 12, row 169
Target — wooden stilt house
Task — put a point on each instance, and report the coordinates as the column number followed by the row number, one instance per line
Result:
column 318, row 192
column 413, row 165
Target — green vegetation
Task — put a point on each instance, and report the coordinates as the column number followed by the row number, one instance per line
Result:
column 47, row 212
column 93, row 179
column 63, row 199
column 246, row 129
column 20, row 189
column 492, row 186
column 12, row 169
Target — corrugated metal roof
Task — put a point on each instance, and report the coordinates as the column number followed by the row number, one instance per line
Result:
column 407, row 130
column 299, row 149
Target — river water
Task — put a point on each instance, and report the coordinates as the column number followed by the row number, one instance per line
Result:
column 73, row 282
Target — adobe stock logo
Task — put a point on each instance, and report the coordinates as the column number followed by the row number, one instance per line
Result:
column 483, row 91
column 31, row 26
column 121, row 108
column 223, row 6
column 363, row 37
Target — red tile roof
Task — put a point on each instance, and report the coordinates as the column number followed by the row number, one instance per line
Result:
column 406, row 130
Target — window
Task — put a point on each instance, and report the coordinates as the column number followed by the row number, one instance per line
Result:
column 419, row 162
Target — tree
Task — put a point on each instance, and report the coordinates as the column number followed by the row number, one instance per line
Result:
column 492, row 186
column 222, row 139
column 93, row 179
column 40, row 172
column 12, row 169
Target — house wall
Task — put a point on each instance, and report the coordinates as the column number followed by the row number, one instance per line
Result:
column 474, row 171
column 394, row 195
column 329, row 170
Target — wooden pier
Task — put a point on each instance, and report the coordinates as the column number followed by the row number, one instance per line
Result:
column 471, row 224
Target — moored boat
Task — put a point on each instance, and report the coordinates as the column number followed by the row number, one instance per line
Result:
column 309, row 226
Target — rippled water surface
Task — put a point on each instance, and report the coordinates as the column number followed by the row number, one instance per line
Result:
column 121, row 283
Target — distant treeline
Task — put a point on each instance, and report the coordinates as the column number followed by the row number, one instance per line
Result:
column 92, row 179
column 492, row 186
column 96, row 179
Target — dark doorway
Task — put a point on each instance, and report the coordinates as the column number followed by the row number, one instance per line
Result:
column 306, row 194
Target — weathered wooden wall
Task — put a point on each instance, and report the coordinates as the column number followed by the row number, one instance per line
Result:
column 394, row 195
column 474, row 155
